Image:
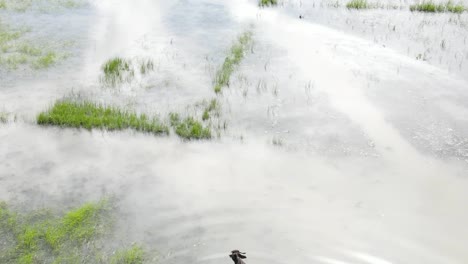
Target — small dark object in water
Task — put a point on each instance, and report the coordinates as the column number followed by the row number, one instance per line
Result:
column 237, row 256
column 301, row 16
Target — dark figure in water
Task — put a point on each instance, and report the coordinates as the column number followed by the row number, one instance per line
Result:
column 237, row 256
column 301, row 16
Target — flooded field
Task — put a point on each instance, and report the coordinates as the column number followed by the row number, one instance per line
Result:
column 147, row 131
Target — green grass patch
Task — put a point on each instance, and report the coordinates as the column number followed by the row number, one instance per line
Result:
column 88, row 115
column 42, row 5
column 117, row 70
column 29, row 50
column 264, row 3
column 46, row 60
column 16, row 5
column 456, row 8
column 428, row 7
column 78, row 225
column 134, row 255
column 189, row 128
column 431, row 7
column 234, row 58
column 16, row 50
column 212, row 108
column 73, row 237
column 7, row 35
column 358, row 4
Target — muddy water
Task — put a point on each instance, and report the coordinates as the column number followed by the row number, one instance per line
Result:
column 338, row 150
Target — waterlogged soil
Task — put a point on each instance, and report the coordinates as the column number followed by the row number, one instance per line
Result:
column 333, row 141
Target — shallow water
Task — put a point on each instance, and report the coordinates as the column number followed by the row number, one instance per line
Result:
column 337, row 150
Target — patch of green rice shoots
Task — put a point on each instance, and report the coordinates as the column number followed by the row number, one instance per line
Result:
column 234, row 58
column 431, row 7
column 89, row 115
column 357, row 4
column 133, row 255
column 264, row 3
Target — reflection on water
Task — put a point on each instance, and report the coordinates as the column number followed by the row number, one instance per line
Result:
column 338, row 150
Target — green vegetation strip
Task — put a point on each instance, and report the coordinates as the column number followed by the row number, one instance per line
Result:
column 232, row 61
column 89, row 115
column 428, row 6
column 213, row 108
column 263, row 3
column 189, row 128
column 117, row 70
column 67, row 113
column 42, row 237
column 133, row 255
column 41, row 5
column 432, row 7
column 358, row 4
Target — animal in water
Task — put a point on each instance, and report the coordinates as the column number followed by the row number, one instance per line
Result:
column 301, row 16
column 237, row 256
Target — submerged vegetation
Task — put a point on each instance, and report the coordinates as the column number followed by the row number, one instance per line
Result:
column 4, row 117
column 118, row 70
column 16, row 50
column 425, row 6
column 67, row 113
column 432, row 7
column 42, row 5
column 45, row 61
column 146, row 66
column 134, row 255
column 189, row 128
column 213, row 108
column 75, row 237
column 358, row 4
column 232, row 61
column 263, row 3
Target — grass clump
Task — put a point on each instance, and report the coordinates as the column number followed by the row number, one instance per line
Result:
column 428, row 7
column 78, row 225
column 455, row 8
column 16, row 5
column 431, row 7
column 41, row 236
column 29, row 50
column 46, row 60
column 134, row 255
column 74, row 237
column 146, row 66
column 231, row 61
column 4, row 117
column 88, row 115
column 6, row 36
column 117, row 70
column 264, row 3
column 357, row 4
column 189, row 128
column 212, row 108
